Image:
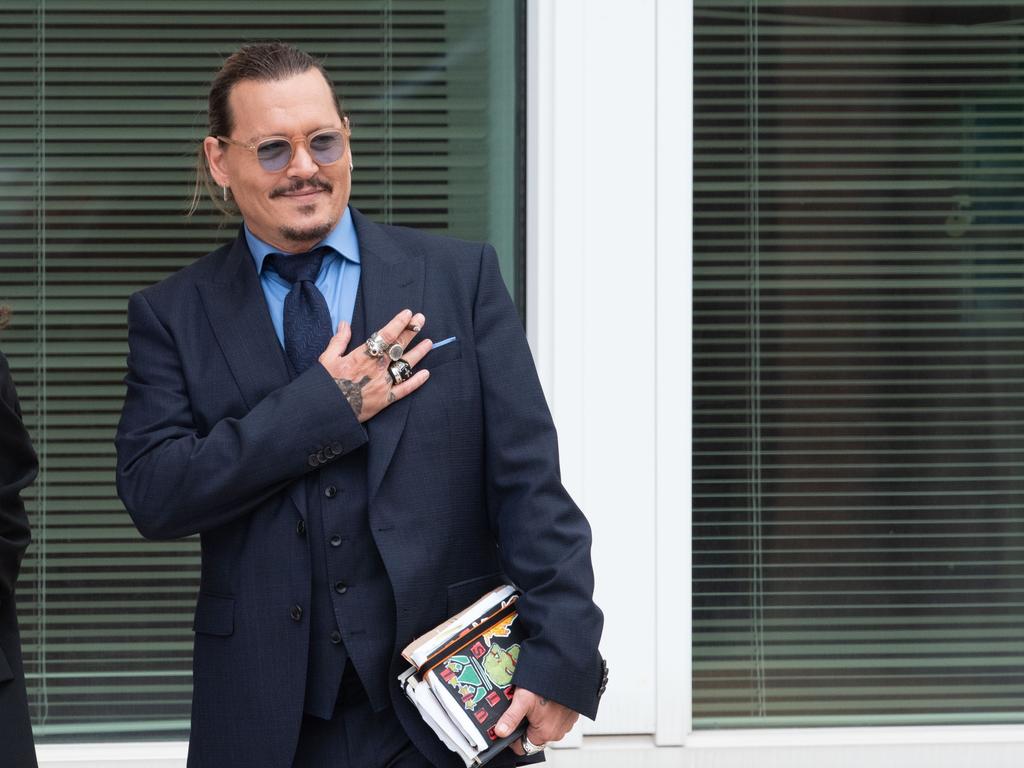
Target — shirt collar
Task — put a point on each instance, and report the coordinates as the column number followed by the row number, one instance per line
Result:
column 342, row 239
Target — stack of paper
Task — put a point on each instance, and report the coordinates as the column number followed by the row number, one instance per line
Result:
column 461, row 675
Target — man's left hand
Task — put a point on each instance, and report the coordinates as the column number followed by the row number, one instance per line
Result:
column 548, row 720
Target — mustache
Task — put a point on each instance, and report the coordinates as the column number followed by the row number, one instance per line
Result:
column 300, row 185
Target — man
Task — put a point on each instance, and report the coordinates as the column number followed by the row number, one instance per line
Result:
column 349, row 494
column 17, row 469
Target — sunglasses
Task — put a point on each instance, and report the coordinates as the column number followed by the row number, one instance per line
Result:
column 274, row 153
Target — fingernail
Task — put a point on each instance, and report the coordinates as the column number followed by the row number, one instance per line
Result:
column 501, row 729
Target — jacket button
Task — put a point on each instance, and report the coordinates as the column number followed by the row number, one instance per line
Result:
column 313, row 461
column 335, row 637
column 336, row 447
column 296, row 612
column 335, row 540
column 340, row 588
column 300, row 527
column 331, row 492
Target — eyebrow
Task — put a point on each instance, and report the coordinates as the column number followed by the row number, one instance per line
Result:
column 260, row 136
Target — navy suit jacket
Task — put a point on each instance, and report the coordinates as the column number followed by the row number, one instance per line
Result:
column 462, row 478
column 17, row 469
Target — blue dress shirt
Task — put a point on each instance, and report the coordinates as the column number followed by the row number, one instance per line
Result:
column 338, row 279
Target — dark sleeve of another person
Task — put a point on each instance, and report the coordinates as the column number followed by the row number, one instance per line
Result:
column 18, row 466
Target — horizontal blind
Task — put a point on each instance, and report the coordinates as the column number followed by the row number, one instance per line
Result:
column 858, row 364
column 101, row 106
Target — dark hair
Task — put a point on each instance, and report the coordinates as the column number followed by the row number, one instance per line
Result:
column 260, row 61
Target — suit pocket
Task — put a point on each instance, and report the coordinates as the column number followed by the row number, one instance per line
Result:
column 437, row 357
column 215, row 615
column 5, row 669
column 462, row 594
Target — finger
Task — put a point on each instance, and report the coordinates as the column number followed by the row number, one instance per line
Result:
column 516, row 710
column 417, row 353
column 414, row 326
column 396, row 325
column 339, row 342
column 409, row 386
column 537, row 736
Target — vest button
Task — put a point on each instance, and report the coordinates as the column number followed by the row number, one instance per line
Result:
column 336, row 637
column 296, row 612
column 335, row 540
column 330, row 492
column 340, row 588
column 300, row 527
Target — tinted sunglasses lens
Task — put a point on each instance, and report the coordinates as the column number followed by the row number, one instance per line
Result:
column 274, row 155
column 327, row 147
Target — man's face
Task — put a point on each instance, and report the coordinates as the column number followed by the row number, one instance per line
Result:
column 291, row 209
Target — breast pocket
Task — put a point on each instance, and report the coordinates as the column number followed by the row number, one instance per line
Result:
column 440, row 355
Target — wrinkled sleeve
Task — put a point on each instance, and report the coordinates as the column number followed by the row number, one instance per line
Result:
column 177, row 482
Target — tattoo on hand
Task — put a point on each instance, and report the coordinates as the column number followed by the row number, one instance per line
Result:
column 353, row 392
column 391, row 397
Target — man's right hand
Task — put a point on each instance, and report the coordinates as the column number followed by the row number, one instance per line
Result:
column 364, row 379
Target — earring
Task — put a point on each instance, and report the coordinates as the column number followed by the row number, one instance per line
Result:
column 225, row 193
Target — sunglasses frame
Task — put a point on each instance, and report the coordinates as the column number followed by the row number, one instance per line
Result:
column 306, row 139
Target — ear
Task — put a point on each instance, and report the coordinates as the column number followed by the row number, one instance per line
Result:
column 215, row 161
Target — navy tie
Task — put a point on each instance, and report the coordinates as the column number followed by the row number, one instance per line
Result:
column 307, row 321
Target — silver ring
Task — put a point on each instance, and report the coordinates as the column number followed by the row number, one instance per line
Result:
column 400, row 371
column 529, row 747
column 375, row 345
column 395, row 351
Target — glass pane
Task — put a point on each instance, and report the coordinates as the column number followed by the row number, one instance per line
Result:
column 858, row 370
column 101, row 106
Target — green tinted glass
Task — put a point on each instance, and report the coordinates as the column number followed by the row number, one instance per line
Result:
column 102, row 103
column 858, row 364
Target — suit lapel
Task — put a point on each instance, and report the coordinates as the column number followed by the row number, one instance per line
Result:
column 392, row 280
column 237, row 310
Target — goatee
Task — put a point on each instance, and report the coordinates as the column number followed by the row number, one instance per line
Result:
column 307, row 234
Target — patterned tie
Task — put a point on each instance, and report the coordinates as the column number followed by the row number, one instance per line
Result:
column 307, row 321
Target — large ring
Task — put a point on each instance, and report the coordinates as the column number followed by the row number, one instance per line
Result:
column 529, row 747
column 395, row 351
column 400, row 371
column 375, row 345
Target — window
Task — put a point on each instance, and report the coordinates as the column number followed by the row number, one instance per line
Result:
column 101, row 106
column 858, row 365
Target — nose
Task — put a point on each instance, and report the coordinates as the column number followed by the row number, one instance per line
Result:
column 302, row 164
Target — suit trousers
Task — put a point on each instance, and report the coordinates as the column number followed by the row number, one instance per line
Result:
column 356, row 736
